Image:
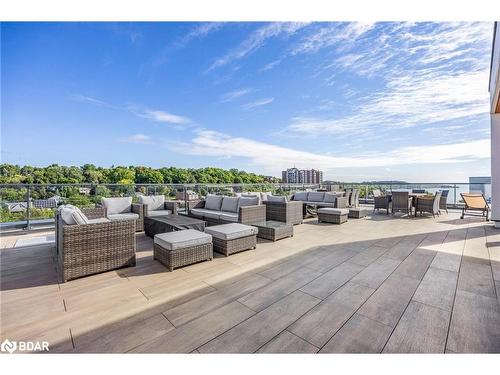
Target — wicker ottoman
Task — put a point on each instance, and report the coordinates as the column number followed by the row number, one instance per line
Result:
column 332, row 215
column 177, row 249
column 357, row 213
column 233, row 238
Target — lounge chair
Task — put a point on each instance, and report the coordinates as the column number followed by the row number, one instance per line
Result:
column 401, row 201
column 428, row 204
column 475, row 202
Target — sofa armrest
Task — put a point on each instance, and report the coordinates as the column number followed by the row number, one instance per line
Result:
column 252, row 214
column 94, row 213
column 200, row 204
column 172, row 206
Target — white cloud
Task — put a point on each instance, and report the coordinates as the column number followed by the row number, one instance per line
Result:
column 162, row 116
column 137, row 139
column 274, row 158
column 200, row 31
column 256, row 40
column 232, row 95
column 257, row 103
column 271, row 65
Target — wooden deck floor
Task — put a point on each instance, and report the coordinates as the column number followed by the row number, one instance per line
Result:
column 374, row 285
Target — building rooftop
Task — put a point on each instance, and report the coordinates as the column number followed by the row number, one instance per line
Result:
column 379, row 284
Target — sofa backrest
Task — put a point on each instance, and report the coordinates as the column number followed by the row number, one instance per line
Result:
column 117, row 205
column 154, row 202
column 274, row 198
column 300, row 196
column 315, row 196
column 248, row 201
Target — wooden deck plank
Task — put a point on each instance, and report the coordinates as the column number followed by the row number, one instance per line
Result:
column 322, row 322
column 253, row 333
column 195, row 308
column 416, row 264
column 359, row 335
column 421, row 329
column 389, row 301
column 375, row 274
column 475, row 324
column 437, row 288
column 267, row 295
column 197, row 332
column 330, row 281
column 476, row 278
column 287, row 342
column 369, row 255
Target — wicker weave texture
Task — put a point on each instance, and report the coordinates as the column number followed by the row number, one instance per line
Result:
column 289, row 212
column 331, row 218
column 228, row 247
column 183, row 257
column 274, row 234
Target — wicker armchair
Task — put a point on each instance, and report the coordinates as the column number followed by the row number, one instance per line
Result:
column 287, row 212
column 93, row 248
column 381, row 201
column 428, row 204
column 171, row 206
column 135, row 208
column 401, row 201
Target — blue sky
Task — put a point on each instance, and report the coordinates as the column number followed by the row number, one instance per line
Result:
column 359, row 101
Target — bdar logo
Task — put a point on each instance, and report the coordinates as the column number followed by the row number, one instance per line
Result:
column 8, row 346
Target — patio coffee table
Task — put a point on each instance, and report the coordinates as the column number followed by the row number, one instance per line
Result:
column 171, row 223
column 274, row 230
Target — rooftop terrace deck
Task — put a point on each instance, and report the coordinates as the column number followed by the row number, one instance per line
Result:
column 379, row 284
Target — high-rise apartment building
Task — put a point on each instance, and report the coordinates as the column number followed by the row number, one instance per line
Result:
column 302, row 176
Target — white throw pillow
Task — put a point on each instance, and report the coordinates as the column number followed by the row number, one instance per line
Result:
column 67, row 215
column 117, row 205
column 79, row 217
column 154, row 202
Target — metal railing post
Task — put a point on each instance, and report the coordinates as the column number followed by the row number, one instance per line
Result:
column 186, row 208
column 455, row 195
column 28, row 199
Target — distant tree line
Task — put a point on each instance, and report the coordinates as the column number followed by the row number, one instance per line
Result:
column 89, row 173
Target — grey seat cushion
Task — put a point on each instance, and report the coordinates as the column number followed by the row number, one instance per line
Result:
column 182, row 239
column 98, row 220
column 117, row 205
column 323, row 204
column 231, row 231
column 273, row 198
column 300, row 196
column 198, row 212
column 159, row 213
column 330, row 198
column 213, row 202
column 230, row 204
column 315, row 196
column 154, row 202
column 229, row 216
column 334, row 211
column 125, row 216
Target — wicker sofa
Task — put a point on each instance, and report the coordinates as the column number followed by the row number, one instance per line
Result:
column 319, row 199
column 98, row 245
column 122, row 208
column 217, row 209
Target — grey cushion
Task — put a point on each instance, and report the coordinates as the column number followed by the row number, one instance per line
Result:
column 212, row 214
column 98, row 220
column 198, row 211
column 79, row 217
column 67, row 215
column 248, row 201
column 124, row 216
column 229, row 216
column 213, row 202
column 159, row 213
column 273, row 198
column 182, row 239
column 231, row 231
column 230, row 204
column 300, row 196
column 330, row 198
column 154, row 202
column 117, row 205
column 334, row 211
column 323, row 204
column 315, row 196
